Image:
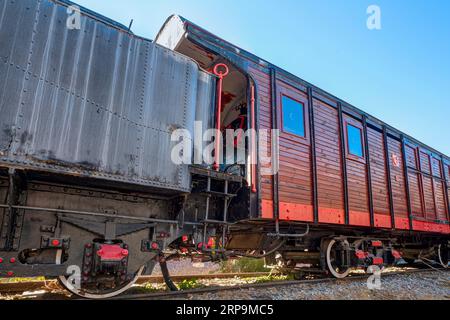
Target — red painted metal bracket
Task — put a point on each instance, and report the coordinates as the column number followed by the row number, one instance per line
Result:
column 254, row 158
column 221, row 70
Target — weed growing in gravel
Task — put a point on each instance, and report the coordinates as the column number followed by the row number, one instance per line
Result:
column 21, row 280
column 243, row 265
column 268, row 278
column 190, row 284
column 147, row 288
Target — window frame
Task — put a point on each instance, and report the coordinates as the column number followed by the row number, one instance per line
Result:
column 354, row 123
column 304, row 110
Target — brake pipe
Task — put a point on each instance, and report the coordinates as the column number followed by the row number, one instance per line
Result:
column 221, row 70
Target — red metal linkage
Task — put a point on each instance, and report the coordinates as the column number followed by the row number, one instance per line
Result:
column 361, row 254
column 397, row 255
column 253, row 139
column 221, row 70
column 112, row 252
column 377, row 261
column 376, row 243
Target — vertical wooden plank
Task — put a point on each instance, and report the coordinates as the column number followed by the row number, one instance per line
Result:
column 444, row 175
column 275, row 147
column 406, row 173
column 256, row 169
column 422, row 190
column 263, row 115
column 313, row 155
column 344, row 164
column 369, row 173
column 389, row 176
column 433, row 189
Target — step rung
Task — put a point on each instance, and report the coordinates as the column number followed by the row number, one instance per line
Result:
column 219, row 194
column 214, row 250
column 215, row 174
column 214, row 222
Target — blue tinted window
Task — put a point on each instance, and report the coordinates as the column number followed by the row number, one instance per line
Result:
column 355, row 146
column 293, row 117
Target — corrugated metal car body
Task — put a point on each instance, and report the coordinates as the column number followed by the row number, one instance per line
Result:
column 97, row 102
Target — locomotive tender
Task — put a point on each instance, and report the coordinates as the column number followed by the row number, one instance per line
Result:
column 89, row 194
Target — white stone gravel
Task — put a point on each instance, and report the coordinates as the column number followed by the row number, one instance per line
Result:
column 185, row 266
column 421, row 286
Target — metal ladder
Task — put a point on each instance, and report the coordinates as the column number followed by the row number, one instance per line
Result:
column 226, row 196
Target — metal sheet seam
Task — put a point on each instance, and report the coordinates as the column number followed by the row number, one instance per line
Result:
column 19, row 113
column 186, row 104
column 86, row 173
column 141, row 109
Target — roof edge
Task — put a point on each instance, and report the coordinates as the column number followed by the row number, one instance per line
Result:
column 187, row 24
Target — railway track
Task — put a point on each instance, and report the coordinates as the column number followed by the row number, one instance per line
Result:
column 18, row 287
column 21, row 287
column 270, row 284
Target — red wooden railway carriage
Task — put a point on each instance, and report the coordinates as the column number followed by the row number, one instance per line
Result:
column 342, row 173
column 89, row 194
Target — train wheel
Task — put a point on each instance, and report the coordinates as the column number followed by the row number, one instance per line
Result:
column 332, row 253
column 99, row 291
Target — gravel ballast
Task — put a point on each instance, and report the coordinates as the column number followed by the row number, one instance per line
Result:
column 419, row 286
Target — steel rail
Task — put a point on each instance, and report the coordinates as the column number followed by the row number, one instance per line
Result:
column 17, row 287
column 180, row 294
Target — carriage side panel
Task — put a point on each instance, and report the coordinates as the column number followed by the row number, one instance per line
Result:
column 263, row 85
column 329, row 164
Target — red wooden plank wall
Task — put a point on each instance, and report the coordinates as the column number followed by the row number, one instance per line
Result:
column 295, row 180
column 263, row 87
column 427, row 190
column 426, row 185
column 379, row 179
column 398, row 183
column 447, row 174
column 415, row 188
column 329, row 164
column 358, row 193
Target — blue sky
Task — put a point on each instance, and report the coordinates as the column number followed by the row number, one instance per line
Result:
column 400, row 74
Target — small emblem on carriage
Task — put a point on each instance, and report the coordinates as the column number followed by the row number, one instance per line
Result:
column 395, row 160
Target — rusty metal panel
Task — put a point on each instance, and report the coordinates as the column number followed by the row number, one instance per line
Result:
column 98, row 102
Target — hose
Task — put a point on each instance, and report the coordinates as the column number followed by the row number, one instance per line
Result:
column 266, row 254
column 165, row 273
